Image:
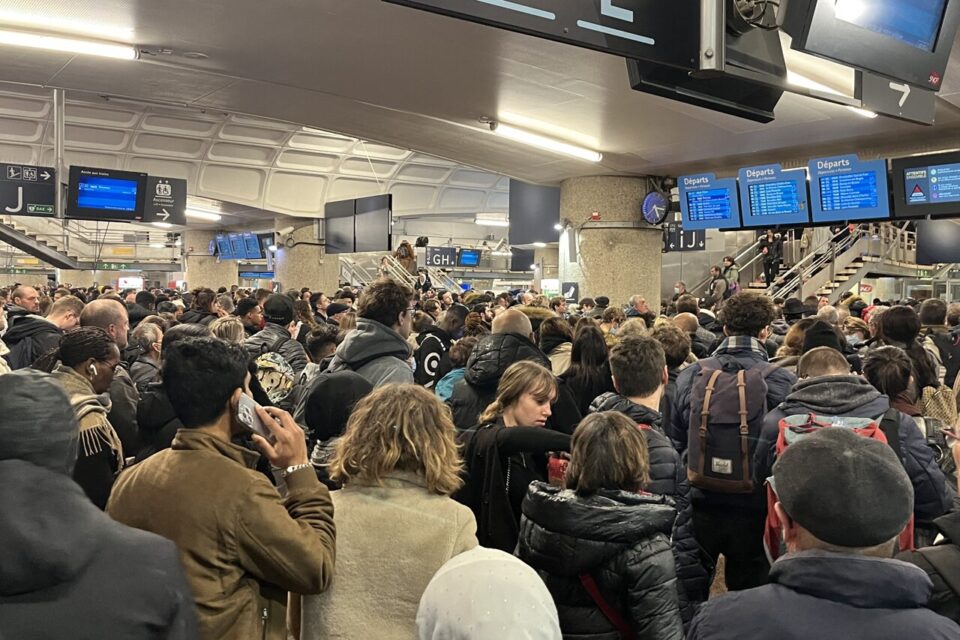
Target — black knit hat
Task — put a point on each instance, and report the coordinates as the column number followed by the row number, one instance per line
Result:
column 278, row 309
column 845, row 489
column 821, row 334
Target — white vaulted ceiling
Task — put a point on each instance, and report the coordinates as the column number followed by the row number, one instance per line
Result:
column 252, row 162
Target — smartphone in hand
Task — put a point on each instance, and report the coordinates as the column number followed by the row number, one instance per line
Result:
column 247, row 416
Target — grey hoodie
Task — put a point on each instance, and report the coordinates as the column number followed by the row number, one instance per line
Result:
column 376, row 352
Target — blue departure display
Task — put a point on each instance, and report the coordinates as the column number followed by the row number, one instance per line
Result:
column 916, row 23
column 251, row 245
column 844, row 188
column 938, row 184
column 849, row 191
column 236, row 246
column 774, row 199
column 709, row 205
column 108, row 194
column 224, row 248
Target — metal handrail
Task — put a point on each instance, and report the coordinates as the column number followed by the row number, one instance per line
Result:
column 817, row 262
column 752, row 249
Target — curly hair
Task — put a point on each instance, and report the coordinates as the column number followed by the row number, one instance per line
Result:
column 746, row 314
column 400, row 427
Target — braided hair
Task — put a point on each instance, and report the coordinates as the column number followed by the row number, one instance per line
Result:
column 76, row 347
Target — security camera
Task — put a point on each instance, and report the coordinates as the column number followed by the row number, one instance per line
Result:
column 286, row 230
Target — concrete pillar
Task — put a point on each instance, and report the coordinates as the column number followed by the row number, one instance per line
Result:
column 616, row 262
column 202, row 269
column 304, row 264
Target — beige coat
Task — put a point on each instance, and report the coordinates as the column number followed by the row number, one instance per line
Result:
column 391, row 540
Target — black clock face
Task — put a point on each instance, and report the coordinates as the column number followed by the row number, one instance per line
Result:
column 655, row 207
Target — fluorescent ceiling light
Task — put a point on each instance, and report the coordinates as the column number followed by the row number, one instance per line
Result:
column 48, row 22
column 803, row 81
column 540, row 245
column 203, row 215
column 162, row 225
column 503, row 254
column 157, row 245
column 492, row 223
column 68, row 45
column 558, row 227
column 534, row 267
column 543, row 142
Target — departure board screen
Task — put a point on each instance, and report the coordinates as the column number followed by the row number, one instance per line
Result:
column 916, row 23
column 932, row 185
column 774, row 198
column 709, row 205
column 844, row 188
column 849, row 191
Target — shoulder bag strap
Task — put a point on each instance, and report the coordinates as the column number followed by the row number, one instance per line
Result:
column 626, row 632
column 890, row 426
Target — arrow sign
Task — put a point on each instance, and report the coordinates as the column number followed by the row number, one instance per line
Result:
column 164, row 215
column 901, row 88
column 46, row 176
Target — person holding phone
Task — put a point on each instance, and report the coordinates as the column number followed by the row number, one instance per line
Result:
column 243, row 548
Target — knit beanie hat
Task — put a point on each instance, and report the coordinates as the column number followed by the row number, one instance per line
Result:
column 821, row 334
column 37, row 423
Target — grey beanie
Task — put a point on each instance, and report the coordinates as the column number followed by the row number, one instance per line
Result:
column 847, row 490
column 37, row 423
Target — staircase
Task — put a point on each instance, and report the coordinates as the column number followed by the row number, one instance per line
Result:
column 364, row 268
column 51, row 248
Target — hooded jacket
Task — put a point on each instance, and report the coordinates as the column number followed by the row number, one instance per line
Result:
column 489, row 360
column 272, row 334
column 853, row 396
column 622, row 541
column 668, row 476
column 816, row 594
column 29, row 337
column 101, row 453
column 376, row 352
column 69, row 571
column 194, row 316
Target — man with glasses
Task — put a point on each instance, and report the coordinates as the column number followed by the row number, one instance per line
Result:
column 377, row 349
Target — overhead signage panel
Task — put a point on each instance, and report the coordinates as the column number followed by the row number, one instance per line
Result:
column 441, row 256
column 26, row 190
column 676, row 238
column 927, row 186
column 166, row 201
column 844, row 189
column 654, row 30
column 772, row 197
column 895, row 99
column 709, row 203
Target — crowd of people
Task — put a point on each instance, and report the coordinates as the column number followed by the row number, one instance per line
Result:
column 389, row 462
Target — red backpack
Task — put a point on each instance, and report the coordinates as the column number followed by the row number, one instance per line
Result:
column 795, row 428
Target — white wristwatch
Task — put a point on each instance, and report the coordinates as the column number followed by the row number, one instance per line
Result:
column 295, row 468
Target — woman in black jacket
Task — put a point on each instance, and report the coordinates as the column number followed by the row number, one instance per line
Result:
column 507, row 452
column 771, row 247
column 589, row 373
column 603, row 546
column 204, row 310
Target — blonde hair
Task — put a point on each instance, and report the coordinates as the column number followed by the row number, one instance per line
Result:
column 399, row 427
column 229, row 328
column 608, row 451
column 521, row 377
column 348, row 321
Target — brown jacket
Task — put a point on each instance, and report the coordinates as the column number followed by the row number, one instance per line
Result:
column 242, row 547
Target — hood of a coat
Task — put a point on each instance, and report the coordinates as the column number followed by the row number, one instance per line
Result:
column 49, row 529
column 836, row 396
column 636, row 412
column 193, row 316
column 576, row 534
column 859, row 581
column 371, row 340
column 495, row 352
column 27, row 326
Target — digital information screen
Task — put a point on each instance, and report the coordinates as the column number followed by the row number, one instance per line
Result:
column 236, row 246
column 773, row 197
column 251, row 244
column 224, row 248
column 846, row 189
column 939, row 184
column 916, row 23
column 709, row 203
column 109, row 194
column 468, row 258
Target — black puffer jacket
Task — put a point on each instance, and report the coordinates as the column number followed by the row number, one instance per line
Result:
column 490, row 358
column 668, row 476
column 620, row 539
column 194, row 316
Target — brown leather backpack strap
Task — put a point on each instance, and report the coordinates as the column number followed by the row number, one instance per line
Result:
column 705, row 417
column 744, row 426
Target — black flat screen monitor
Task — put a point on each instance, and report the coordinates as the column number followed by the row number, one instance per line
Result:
column 338, row 226
column 938, row 241
column 927, row 186
column 251, row 246
column 106, row 194
column 468, row 258
column 373, row 223
column 908, row 40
